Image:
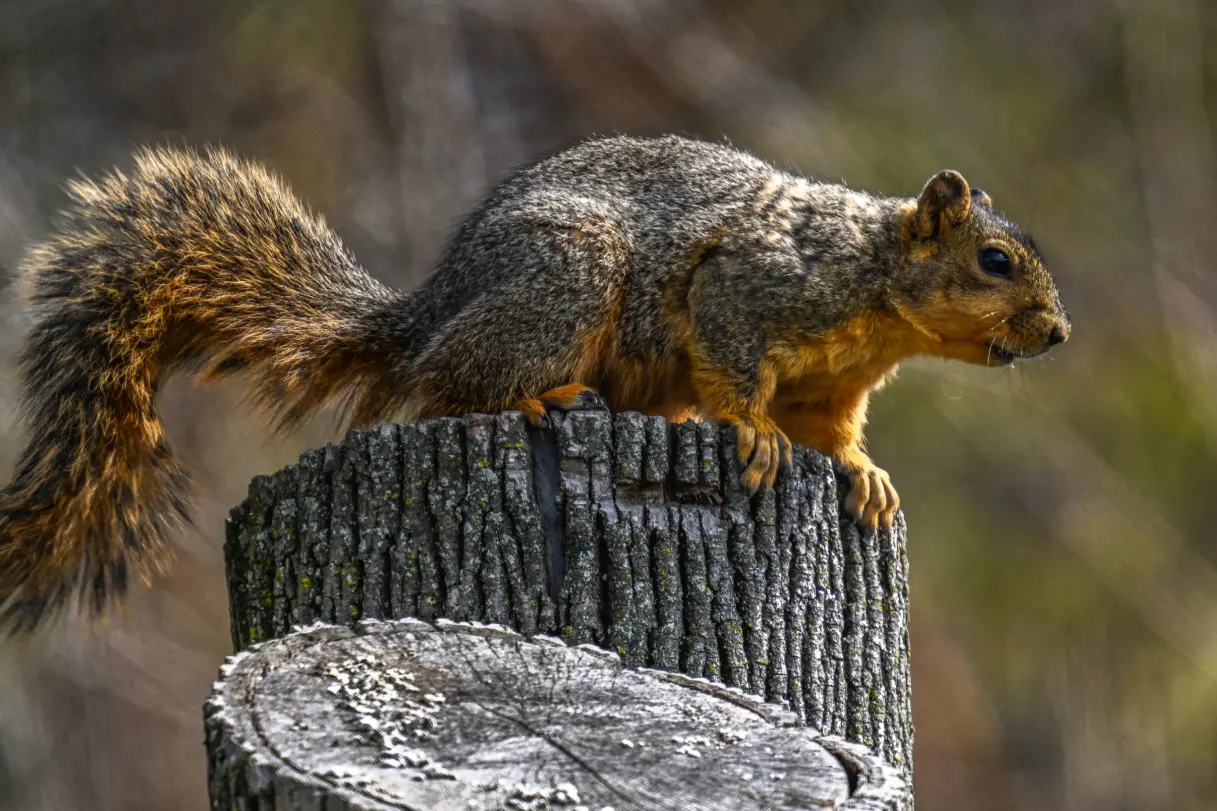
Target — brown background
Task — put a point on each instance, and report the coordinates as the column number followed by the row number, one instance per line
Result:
column 1062, row 518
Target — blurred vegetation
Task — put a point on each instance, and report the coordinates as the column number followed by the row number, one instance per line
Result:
column 1062, row 542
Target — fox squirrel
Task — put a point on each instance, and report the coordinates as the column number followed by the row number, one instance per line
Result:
column 666, row 275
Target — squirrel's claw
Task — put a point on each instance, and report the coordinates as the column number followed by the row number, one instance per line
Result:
column 872, row 498
column 534, row 411
column 573, row 397
column 585, row 400
column 763, row 449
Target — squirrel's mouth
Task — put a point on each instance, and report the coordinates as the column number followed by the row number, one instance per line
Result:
column 998, row 355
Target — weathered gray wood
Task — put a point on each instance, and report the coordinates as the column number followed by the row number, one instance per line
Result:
column 625, row 532
column 461, row 717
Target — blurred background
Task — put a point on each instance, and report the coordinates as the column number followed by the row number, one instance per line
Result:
column 1061, row 514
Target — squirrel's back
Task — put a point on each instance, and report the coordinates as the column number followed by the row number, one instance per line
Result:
column 671, row 194
column 666, row 198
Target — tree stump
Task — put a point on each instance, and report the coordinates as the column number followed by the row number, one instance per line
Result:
column 623, row 531
column 457, row 717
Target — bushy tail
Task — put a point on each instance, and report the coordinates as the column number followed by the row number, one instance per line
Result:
column 201, row 262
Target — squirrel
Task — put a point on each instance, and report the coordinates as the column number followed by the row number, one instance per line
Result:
column 667, row 275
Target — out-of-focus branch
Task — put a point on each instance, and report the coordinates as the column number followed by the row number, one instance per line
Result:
column 429, row 96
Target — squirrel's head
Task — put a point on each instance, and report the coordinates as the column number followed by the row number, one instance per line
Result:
column 972, row 282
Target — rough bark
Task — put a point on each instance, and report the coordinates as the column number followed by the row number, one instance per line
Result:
column 626, row 532
column 454, row 717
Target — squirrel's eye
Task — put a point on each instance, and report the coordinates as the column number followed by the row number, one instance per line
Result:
column 996, row 262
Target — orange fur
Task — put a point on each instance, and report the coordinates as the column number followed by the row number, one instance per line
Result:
column 532, row 409
column 565, row 396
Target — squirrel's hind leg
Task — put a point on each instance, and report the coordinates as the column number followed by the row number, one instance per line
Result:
column 571, row 397
column 536, row 340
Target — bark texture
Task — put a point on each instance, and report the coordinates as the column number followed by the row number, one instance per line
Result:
column 466, row 717
column 622, row 531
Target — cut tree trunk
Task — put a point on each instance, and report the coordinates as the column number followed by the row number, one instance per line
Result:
column 461, row 717
column 626, row 532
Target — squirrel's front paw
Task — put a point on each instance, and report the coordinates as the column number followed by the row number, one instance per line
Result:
column 763, row 449
column 872, row 498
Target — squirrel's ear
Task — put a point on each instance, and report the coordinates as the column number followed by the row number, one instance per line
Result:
column 944, row 202
column 979, row 198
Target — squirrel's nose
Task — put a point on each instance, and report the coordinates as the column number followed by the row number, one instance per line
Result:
column 1059, row 335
